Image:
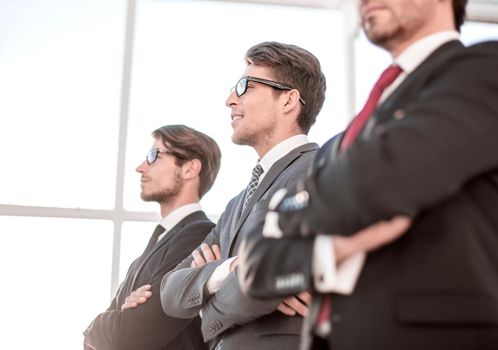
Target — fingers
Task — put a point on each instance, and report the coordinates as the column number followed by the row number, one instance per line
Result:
column 128, row 305
column 234, row 263
column 217, row 251
column 292, row 305
column 381, row 233
column 145, row 287
column 209, row 254
column 304, row 297
column 371, row 238
column 137, row 297
column 198, row 259
column 285, row 309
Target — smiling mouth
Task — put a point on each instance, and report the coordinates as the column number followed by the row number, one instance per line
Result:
column 236, row 117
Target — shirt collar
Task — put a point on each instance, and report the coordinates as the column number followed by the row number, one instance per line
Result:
column 281, row 149
column 412, row 56
column 177, row 215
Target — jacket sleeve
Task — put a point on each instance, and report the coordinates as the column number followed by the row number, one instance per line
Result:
column 143, row 327
column 230, row 307
column 440, row 140
column 269, row 268
column 183, row 290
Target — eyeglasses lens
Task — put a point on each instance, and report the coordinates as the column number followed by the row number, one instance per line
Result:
column 152, row 156
column 241, row 87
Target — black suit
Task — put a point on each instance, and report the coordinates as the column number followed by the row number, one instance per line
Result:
column 147, row 327
column 430, row 151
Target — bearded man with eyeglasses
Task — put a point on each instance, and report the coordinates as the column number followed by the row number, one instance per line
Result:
column 179, row 169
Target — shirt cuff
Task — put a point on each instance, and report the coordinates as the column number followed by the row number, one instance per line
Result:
column 270, row 228
column 327, row 276
column 218, row 276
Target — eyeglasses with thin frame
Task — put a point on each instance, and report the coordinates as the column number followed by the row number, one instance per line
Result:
column 153, row 153
column 241, row 87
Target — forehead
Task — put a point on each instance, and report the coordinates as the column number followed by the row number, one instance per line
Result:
column 258, row 72
column 158, row 143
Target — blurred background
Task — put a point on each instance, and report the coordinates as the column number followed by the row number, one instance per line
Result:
column 83, row 83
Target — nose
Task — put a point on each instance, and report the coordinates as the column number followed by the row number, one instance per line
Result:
column 232, row 99
column 141, row 168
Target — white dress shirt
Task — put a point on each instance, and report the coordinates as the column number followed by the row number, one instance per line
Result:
column 327, row 276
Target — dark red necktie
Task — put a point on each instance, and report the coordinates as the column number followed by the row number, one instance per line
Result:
column 387, row 77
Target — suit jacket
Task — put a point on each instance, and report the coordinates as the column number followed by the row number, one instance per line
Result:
column 431, row 152
column 230, row 318
column 147, row 327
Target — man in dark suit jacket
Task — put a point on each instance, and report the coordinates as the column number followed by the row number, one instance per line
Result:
column 429, row 151
column 179, row 169
column 273, row 107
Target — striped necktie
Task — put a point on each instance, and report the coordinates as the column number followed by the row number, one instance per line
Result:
column 253, row 184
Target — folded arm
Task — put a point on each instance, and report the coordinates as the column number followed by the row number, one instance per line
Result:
column 142, row 327
column 261, row 277
column 444, row 137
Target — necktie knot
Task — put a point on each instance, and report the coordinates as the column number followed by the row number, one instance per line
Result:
column 257, row 171
column 157, row 232
column 153, row 239
column 386, row 78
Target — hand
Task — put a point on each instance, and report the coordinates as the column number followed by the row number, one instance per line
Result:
column 139, row 296
column 371, row 238
column 209, row 254
column 296, row 304
column 234, row 263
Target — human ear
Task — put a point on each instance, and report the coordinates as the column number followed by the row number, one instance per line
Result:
column 291, row 100
column 191, row 168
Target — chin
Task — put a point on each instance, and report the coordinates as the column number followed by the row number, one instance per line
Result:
column 238, row 140
column 381, row 38
column 146, row 197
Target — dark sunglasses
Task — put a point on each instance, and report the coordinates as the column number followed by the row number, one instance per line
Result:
column 241, row 87
column 152, row 155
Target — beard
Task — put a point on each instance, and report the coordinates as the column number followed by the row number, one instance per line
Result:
column 243, row 140
column 395, row 28
column 166, row 194
column 253, row 138
column 381, row 34
column 386, row 39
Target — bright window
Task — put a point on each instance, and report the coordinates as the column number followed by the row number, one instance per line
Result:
column 55, row 280
column 60, row 69
column 187, row 56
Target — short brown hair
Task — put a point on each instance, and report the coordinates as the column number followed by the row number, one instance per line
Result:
column 459, row 12
column 298, row 68
column 187, row 144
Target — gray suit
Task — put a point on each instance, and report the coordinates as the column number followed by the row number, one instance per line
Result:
column 231, row 319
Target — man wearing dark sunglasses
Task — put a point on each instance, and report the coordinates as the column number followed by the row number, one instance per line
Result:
column 273, row 106
column 179, row 169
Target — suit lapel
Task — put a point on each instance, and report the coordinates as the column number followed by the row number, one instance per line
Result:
column 164, row 240
column 414, row 82
column 237, row 213
column 267, row 181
